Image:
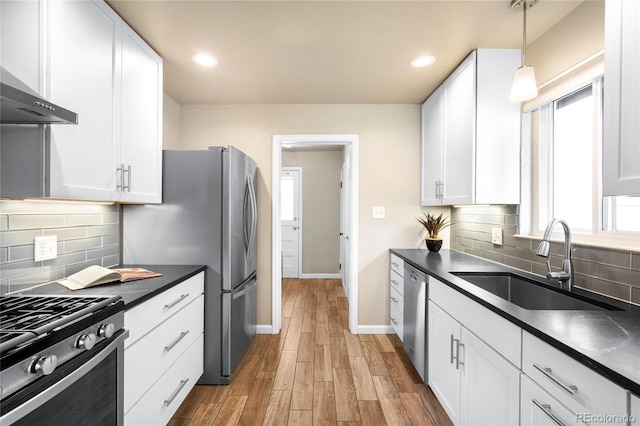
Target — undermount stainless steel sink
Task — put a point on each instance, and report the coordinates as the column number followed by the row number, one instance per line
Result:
column 529, row 294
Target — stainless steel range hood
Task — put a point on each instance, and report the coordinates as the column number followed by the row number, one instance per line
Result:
column 21, row 105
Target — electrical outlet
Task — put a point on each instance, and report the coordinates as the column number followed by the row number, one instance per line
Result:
column 378, row 212
column 496, row 236
column 45, row 248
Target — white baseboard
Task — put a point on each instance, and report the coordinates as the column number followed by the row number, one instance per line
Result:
column 264, row 329
column 320, row 276
column 375, row 329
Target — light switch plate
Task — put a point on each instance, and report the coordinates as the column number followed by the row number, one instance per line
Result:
column 378, row 212
column 496, row 236
column 45, row 248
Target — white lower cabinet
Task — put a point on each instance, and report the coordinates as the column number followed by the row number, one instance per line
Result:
column 163, row 357
column 474, row 383
column 539, row 408
column 163, row 399
column 396, row 295
column 590, row 396
column 634, row 409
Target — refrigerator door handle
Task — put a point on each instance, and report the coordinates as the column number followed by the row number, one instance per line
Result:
column 254, row 214
column 247, row 200
column 250, row 228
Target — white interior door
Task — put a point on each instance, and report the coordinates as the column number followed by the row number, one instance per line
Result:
column 345, row 197
column 290, row 221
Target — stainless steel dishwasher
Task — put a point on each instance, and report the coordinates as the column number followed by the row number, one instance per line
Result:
column 415, row 318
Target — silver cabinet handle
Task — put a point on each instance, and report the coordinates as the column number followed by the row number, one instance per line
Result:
column 394, row 299
column 395, row 264
column 175, row 393
column 393, row 321
column 128, row 172
column 175, row 302
column 451, row 349
column 455, row 357
column 395, row 282
column 571, row 389
column 121, row 171
column 546, row 408
column 175, row 342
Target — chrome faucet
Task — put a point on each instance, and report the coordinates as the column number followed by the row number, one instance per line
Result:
column 566, row 275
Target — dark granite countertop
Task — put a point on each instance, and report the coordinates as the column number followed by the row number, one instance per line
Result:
column 606, row 341
column 133, row 292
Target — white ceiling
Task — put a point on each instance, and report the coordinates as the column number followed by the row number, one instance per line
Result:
column 316, row 52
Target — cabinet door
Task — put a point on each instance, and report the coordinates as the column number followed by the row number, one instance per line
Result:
column 621, row 150
column 444, row 371
column 431, row 149
column 490, row 385
column 22, row 36
column 459, row 98
column 83, row 74
column 141, row 120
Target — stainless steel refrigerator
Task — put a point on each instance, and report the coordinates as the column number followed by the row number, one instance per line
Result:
column 207, row 217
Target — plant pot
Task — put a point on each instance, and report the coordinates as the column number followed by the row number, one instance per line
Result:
column 433, row 244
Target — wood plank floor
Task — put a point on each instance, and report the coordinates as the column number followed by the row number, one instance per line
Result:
column 316, row 372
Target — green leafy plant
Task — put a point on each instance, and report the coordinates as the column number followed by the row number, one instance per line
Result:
column 434, row 224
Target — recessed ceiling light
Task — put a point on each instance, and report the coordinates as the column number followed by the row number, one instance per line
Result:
column 205, row 60
column 422, row 61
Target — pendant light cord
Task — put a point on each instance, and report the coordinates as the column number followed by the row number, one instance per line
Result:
column 524, row 32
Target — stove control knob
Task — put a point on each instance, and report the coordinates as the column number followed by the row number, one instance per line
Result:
column 44, row 365
column 106, row 330
column 86, row 341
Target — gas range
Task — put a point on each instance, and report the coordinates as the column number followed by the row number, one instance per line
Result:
column 43, row 334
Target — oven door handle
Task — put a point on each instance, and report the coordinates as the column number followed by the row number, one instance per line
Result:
column 49, row 393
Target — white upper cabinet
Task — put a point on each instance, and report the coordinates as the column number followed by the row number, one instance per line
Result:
column 102, row 70
column 471, row 134
column 84, row 74
column 22, row 36
column 431, row 149
column 141, row 118
column 83, row 56
column 621, row 148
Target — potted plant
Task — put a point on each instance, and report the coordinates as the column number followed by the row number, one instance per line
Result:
column 433, row 224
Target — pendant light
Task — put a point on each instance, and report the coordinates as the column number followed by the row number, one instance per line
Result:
column 524, row 85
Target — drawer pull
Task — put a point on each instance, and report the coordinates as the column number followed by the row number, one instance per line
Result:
column 395, row 264
column 175, row 342
column 175, row 302
column 175, row 393
column 394, row 321
column 547, row 372
column 546, row 408
column 394, row 299
column 395, row 282
column 455, row 358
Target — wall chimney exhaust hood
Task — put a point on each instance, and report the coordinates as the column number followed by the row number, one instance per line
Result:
column 21, row 105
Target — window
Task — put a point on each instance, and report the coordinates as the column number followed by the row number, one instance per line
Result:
column 565, row 157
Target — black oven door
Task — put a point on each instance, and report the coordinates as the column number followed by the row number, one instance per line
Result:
column 87, row 390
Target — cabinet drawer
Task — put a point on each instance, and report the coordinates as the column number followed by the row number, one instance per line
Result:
column 397, row 282
column 579, row 388
column 538, row 407
column 499, row 333
column 395, row 317
column 141, row 319
column 397, row 264
column 148, row 358
column 158, row 405
column 396, row 300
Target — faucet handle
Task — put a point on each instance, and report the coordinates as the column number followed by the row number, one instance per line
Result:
column 548, row 268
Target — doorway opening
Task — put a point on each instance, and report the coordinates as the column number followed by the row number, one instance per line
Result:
column 348, row 217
